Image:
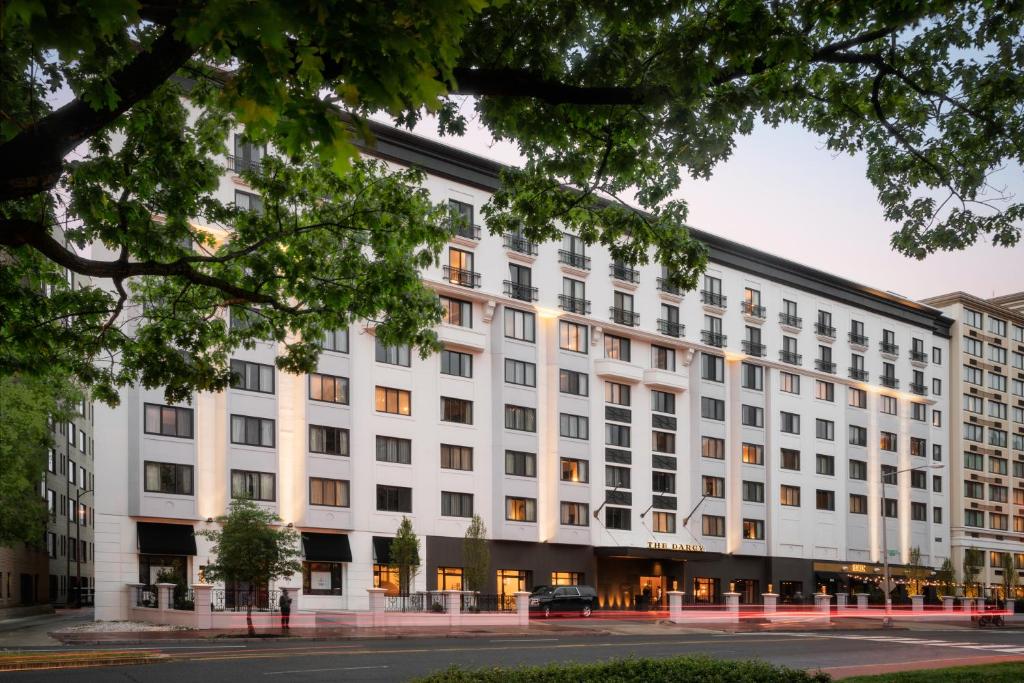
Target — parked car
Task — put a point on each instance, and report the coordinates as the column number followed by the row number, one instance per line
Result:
column 548, row 600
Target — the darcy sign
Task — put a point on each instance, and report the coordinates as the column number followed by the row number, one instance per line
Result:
column 681, row 547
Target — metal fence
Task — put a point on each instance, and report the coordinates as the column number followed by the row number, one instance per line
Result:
column 235, row 600
column 476, row 602
column 183, row 599
column 415, row 602
column 146, row 596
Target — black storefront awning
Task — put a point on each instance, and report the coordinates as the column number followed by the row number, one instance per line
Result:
column 326, row 547
column 382, row 549
column 166, row 539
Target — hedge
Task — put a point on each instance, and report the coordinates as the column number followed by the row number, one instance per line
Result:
column 672, row 670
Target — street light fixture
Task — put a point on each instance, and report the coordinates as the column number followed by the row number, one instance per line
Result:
column 79, row 492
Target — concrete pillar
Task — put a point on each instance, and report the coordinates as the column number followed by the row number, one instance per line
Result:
column 862, row 601
column 732, row 606
column 841, row 599
column 376, row 601
column 771, row 601
column 675, row 607
column 979, row 604
column 523, row 607
column 453, row 606
column 1011, row 606
column 947, row 603
column 202, row 597
column 165, row 596
column 823, row 605
column 917, row 602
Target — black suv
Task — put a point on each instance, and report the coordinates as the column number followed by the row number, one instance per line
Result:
column 548, row 600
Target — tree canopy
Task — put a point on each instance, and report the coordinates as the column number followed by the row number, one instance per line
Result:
column 610, row 103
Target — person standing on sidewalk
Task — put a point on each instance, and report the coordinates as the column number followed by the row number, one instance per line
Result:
column 285, row 603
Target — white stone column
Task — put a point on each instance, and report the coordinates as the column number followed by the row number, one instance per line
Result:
column 917, row 602
column 453, row 606
column 947, row 603
column 771, row 601
column 841, row 599
column 675, row 607
column 732, row 606
column 376, row 601
column 202, row 601
column 523, row 607
column 164, row 597
column 823, row 605
column 862, row 601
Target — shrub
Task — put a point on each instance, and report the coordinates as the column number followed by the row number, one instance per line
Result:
column 673, row 670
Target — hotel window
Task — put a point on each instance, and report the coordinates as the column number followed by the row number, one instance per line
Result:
column 937, row 386
column 753, row 492
column 616, row 394
column 752, row 416
column 575, row 470
column 663, row 358
column 456, row 457
column 665, row 482
column 460, row 217
column 456, row 504
column 710, row 447
column 973, row 375
column 664, row 402
column 392, row 355
column 752, row 376
column 918, row 479
column 1018, row 388
column 616, row 348
column 252, row 376
column 252, row 485
column 622, row 305
column 1018, row 469
column 328, row 492
column 997, row 437
column 247, row 201
column 574, row 514
column 520, row 509
column 1018, row 527
column 972, row 318
column 617, row 435
column 520, row 372
column 998, row 494
column 394, row 401
column 328, row 388
column 572, row 337
column 663, row 442
column 753, row 529
column 165, row 477
column 858, row 436
column 617, row 518
column 566, row 578
column 824, row 500
column 328, row 440
column 520, row 464
column 997, row 326
column 825, row 464
column 974, row 404
column 857, row 398
column 252, row 431
column 824, row 391
column 336, row 340
column 789, row 383
column 713, row 487
column 858, row 504
column 573, row 426
column 825, row 429
column 789, row 496
column 394, row 498
column 1017, row 360
column 887, row 405
column 974, row 489
column 974, row 461
column 997, row 354
column 712, row 368
column 616, row 477
column 456, row 363
column 937, row 486
column 712, row 408
column 713, row 525
column 520, row 325
column 752, row 454
column 997, row 521
column 460, row 268
column 918, row 447
column 790, row 459
column 457, row 312
column 790, row 423
column 1018, row 333
column 663, row 522
column 997, row 382
column 975, row 518
column 937, row 516
column 888, row 441
column 457, row 410
column 394, row 450
column 449, row 578
column 520, row 418
column 572, row 382
column 322, row 578
column 918, row 411
column 168, row 421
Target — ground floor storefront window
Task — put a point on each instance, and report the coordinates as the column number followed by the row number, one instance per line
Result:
column 511, row 581
column 791, row 592
column 322, row 578
column 449, row 578
column 567, row 578
column 386, row 577
column 153, row 566
column 707, row 590
column 749, row 590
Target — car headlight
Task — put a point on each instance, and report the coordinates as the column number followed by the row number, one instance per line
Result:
column 534, row 601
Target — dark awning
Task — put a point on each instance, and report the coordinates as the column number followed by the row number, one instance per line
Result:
column 382, row 549
column 326, row 547
column 166, row 539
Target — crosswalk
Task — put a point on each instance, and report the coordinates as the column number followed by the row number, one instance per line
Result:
column 1004, row 648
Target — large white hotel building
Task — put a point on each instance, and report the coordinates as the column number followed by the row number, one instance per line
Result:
column 607, row 429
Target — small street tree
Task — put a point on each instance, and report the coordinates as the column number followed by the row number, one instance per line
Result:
column 476, row 556
column 405, row 555
column 251, row 547
column 946, row 576
column 916, row 572
column 1010, row 580
column 971, row 567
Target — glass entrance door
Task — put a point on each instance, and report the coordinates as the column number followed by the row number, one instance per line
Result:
column 653, row 593
column 511, row 581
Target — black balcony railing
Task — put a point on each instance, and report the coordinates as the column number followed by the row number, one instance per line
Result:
column 889, row 348
column 713, row 338
column 671, row 327
column 664, row 286
column 858, row 339
column 888, row 381
column 520, row 291
column 825, row 366
column 918, row 389
column 918, row 356
column 462, row 277
column 624, row 316
column 859, row 374
column 465, row 229
column 576, row 260
column 824, row 330
column 753, row 348
column 710, row 298
column 623, row 272
column 790, row 320
column 790, row 357
column 242, row 164
column 521, row 245
column 574, row 304
column 753, row 310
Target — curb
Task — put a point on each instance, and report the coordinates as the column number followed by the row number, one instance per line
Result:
column 68, row 661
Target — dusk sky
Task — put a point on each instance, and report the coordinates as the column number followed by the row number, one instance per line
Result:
column 784, row 193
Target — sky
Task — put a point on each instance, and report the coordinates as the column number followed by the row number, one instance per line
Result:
column 784, row 193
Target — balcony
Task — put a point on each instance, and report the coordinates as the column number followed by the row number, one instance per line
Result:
column 825, row 366
column 623, row 272
column 889, row 349
column 664, row 380
column 787, row 320
column 823, row 330
column 573, row 304
column 790, row 357
column 858, row 340
column 712, row 338
column 716, row 299
column 888, row 381
column 753, row 348
column 752, row 310
column 624, row 316
column 462, row 277
column 671, row 327
column 618, row 370
column 573, row 259
column 919, row 389
column 664, row 286
column 918, row 357
column 243, row 164
column 859, row 374
column 520, row 291
column 520, row 245
column 463, row 229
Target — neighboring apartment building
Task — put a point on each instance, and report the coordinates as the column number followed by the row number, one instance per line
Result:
column 986, row 430
column 608, row 429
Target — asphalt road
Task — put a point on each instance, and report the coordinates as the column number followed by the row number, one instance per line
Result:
column 399, row 660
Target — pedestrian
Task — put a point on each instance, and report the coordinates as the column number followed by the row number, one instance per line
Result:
column 285, row 603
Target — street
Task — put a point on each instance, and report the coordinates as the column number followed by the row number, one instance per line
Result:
column 838, row 652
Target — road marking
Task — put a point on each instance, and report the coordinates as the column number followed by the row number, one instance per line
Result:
column 524, row 640
column 310, row 671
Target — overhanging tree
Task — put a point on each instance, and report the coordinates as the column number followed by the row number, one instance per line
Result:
column 616, row 100
column 476, row 555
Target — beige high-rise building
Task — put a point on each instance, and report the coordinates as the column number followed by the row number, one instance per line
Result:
column 986, row 399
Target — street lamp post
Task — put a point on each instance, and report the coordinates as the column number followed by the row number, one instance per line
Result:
column 887, row 621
